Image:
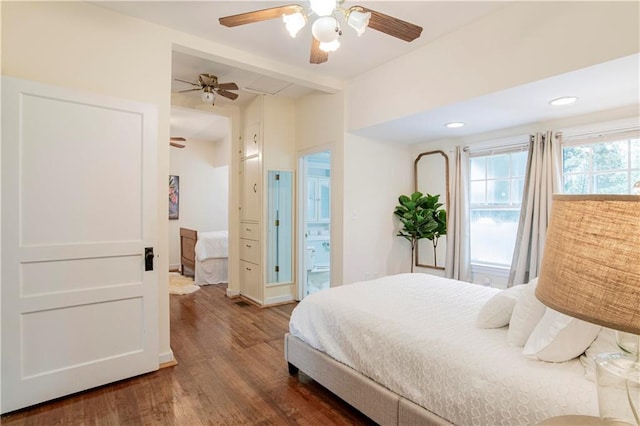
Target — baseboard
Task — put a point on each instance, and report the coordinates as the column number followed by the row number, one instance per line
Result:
column 231, row 294
column 168, row 364
column 279, row 300
column 166, row 358
column 174, row 268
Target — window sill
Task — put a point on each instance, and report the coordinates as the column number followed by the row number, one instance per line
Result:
column 488, row 269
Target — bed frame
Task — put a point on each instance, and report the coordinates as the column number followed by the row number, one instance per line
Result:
column 188, row 239
column 372, row 399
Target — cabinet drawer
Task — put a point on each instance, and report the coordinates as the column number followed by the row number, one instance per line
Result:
column 250, row 250
column 250, row 281
column 250, row 231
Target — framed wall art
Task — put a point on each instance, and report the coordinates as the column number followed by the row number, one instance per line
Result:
column 174, row 197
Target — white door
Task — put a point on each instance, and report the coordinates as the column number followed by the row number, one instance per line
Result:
column 79, row 207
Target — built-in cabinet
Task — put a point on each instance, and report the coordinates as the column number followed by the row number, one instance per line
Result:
column 319, row 197
column 267, row 144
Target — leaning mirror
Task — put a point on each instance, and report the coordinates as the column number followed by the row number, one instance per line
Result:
column 431, row 174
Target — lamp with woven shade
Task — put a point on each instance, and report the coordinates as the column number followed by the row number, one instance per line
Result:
column 591, row 270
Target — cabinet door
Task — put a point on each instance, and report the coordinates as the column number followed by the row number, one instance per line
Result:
column 251, row 140
column 251, row 189
column 251, row 281
column 312, row 200
column 324, row 200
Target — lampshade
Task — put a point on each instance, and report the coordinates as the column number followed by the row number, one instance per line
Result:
column 591, row 262
column 636, row 188
column 325, row 29
column 358, row 20
column 294, row 22
column 323, row 7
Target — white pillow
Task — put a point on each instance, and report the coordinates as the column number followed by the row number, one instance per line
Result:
column 526, row 314
column 605, row 342
column 496, row 312
column 559, row 337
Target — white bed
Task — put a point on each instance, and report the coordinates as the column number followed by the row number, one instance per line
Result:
column 410, row 342
column 206, row 254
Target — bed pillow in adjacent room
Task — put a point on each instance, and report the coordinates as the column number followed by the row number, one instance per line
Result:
column 526, row 314
column 559, row 337
column 496, row 312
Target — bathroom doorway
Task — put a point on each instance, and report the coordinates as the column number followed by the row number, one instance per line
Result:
column 315, row 221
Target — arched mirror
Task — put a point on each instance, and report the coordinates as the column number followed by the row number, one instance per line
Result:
column 431, row 174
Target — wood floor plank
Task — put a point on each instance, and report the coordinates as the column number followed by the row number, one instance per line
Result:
column 231, row 371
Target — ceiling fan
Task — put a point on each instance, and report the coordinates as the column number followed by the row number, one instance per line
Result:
column 175, row 141
column 326, row 26
column 210, row 87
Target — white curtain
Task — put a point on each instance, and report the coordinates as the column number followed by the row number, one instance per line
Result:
column 543, row 178
column 458, row 264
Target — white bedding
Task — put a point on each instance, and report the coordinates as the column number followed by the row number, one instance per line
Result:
column 416, row 335
column 212, row 245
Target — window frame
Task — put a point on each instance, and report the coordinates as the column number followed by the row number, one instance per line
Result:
column 592, row 172
column 485, row 267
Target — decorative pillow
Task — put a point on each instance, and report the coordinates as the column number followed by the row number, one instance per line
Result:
column 496, row 312
column 605, row 342
column 559, row 337
column 526, row 314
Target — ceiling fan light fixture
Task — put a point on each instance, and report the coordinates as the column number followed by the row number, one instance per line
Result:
column 326, row 29
column 330, row 47
column 294, row 22
column 358, row 20
column 208, row 96
column 323, row 7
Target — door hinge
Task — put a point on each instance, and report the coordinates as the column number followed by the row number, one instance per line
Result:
column 277, row 268
column 277, row 176
column 277, row 222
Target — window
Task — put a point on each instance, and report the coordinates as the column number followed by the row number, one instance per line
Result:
column 609, row 167
column 496, row 187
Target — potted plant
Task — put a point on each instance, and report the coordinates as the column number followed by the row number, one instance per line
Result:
column 422, row 216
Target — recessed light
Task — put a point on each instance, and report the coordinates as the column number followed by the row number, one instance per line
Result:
column 454, row 124
column 565, row 100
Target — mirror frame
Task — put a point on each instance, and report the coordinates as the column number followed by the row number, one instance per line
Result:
column 415, row 185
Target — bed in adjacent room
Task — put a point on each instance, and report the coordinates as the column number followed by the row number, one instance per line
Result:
column 408, row 349
column 205, row 254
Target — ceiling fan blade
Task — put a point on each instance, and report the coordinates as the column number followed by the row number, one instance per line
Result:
column 177, row 139
column 317, row 56
column 229, row 95
column 228, row 86
column 189, row 90
column 177, row 145
column 185, row 81
column 259, row 15
column 392, row 26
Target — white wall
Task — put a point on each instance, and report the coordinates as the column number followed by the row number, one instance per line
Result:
column 203, row 168
column 320, row 126
column 80, row 46
column 519, row 43
column 484, row 275
column 375, row 175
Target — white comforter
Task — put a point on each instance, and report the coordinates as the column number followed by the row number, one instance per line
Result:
column 212, row 244
column 416, row 335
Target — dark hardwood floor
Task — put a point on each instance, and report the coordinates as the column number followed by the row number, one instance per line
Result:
column 231, row 371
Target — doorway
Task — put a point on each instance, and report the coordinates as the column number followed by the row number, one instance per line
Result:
column 314, row 206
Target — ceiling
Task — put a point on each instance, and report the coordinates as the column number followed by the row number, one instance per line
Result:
column 605, row 86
